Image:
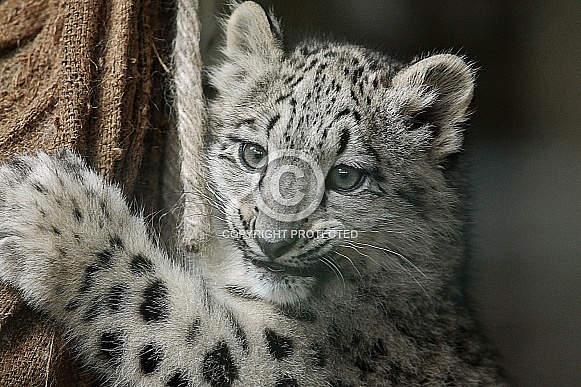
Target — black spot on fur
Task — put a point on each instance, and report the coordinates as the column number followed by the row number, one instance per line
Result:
column 116, row 296
column 355, row 98
column 218, row 367
column 105, row 257
column 318, row 358
column 140, row 265
column 247, row 122
column 115, row 242
column 376, row 174
column 150, row 358
column 311, row 64
column 286, row 381
column 111, row 346
column 90, row 193
column 73, row 304
column 155, row 302
column 227, row 158
column 343, row 141
column 298, row 313
column 282, row 98
column 306, row 51
column 356, row 75
column 194, row 331
column 296, row 82
column 93, row 310
column 178, row 380
column 271, row 124
column 413, row 194
column 56, row 231
column 40, row 188
column 104, row 209
column 241, row 292
column 89, row 278
column 19, row 166
column 70, row 164
column 77, row 214
column 278, row 346
column 321, row 68
column 240, row 335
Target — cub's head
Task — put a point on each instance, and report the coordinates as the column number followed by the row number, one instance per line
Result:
column 327, row 161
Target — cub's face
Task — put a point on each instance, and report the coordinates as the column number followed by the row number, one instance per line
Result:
column 325, row 160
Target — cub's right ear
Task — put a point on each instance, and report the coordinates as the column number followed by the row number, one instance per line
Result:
column 439, row 89
column 250, row 32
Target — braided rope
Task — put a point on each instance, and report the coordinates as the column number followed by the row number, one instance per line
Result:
column 190, row 112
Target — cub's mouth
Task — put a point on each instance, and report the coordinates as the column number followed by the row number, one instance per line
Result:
column 284, row 270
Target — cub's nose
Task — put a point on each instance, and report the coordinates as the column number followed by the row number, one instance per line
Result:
column 274, row 248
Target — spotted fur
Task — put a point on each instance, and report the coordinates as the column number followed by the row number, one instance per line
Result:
column 279, row 297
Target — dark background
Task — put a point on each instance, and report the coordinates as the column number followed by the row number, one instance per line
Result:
column 525, row 143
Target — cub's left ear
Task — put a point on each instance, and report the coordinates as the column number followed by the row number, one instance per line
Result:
column 253, row 46
column 438, row 90
column 251, row 32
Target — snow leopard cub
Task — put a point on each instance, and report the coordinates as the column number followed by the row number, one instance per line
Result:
column 339, row 232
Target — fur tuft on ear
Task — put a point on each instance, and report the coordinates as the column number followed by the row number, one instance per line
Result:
column 250, row 32
column 440, row 89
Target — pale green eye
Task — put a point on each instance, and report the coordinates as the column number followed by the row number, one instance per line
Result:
column 345, row 178
column 252, row 155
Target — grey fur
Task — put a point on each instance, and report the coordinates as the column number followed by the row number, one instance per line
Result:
column 263, row 304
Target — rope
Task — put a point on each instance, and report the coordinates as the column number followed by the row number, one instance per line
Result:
column 194, row 224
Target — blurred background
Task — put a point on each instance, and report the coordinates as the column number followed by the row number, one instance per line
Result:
column 525, row 145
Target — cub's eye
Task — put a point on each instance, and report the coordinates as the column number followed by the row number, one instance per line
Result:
column 252, row 155
column 345, row 178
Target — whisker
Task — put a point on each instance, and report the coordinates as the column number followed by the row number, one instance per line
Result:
column 350, row 261
column 385, row 251
column 212, row 200
column 333, row 267
column 388, row 251
column 379, row 263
